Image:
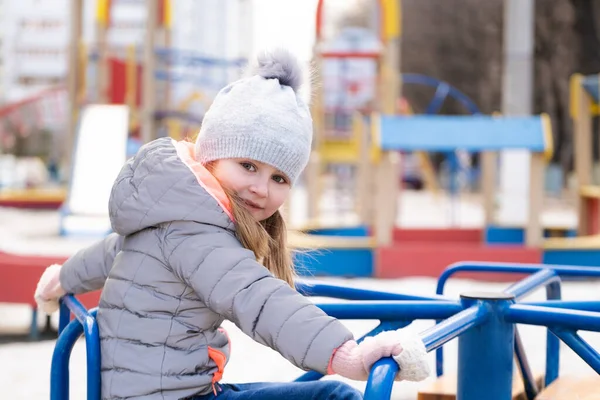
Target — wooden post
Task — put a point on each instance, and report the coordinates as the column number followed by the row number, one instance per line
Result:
column 102, row 66
column 534, row 230
column 148, row 81
column 74, row 78
column 314, row 168
column 313, row 186
column 582, row 140
column 386, row 199
column 488, row 185
column 82, row 89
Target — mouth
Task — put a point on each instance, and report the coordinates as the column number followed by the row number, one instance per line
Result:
column 252, row 205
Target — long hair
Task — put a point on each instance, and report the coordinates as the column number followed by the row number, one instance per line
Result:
column 267, row 239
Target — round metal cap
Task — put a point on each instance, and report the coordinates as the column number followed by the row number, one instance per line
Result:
column 487, row 295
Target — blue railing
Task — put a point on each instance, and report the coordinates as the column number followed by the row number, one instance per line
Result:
column 548, row 276
column 69, row 331
column 484, row 324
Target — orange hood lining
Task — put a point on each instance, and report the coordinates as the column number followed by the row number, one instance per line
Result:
column 186, row 152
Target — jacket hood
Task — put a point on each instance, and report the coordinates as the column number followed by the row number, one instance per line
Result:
column 164, row 183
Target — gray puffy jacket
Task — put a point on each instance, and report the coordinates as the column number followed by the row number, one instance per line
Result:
column 172, row 272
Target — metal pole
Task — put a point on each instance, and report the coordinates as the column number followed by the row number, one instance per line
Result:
column 517, row 98
column 519, row 24
column 485, row 352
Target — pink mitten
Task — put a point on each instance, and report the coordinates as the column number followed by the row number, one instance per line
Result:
column 354, row 361
column 49, row 290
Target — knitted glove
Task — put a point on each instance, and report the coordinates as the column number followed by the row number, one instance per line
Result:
column 49, row 290
column 354, row 361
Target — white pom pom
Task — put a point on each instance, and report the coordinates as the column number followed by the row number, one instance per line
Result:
column 282, row 65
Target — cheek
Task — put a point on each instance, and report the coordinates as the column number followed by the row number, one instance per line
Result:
column 230, row 178
column 278, row 196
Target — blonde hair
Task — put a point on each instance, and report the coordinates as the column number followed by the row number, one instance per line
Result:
column 267, row 238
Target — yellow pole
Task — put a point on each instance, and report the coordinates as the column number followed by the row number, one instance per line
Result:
column 131, row 85
column 102, row 21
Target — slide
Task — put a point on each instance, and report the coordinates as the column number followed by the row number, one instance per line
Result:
column 100, row 152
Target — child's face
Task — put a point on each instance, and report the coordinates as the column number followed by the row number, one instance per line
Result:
column 262, row 187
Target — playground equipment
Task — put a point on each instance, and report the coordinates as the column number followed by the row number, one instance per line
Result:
column 396, row 252
column 20, row 120
column 476, row 319
column 358, row 74
column 140, row 75
column 584, row 249
column 584, row 99
column 95, row 149
column 99, row 154
column 374, row 139
column 118, row 73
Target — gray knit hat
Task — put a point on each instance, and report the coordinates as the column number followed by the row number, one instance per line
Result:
column 261, row 117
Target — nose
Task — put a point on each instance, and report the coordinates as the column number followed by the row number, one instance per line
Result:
column 260, row 188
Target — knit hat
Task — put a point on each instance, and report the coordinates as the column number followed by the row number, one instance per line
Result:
column 261, row 117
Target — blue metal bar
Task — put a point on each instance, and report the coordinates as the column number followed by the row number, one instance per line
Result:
column 593, row 306
column 526, row 286
column 553, row 293
column 436, row 336
column 553, row 317
column 391, row 310
column 579, row 346
column 347, row 293
column 76, row 308
column 544, row 277
column 456, row 94
column 92, row 348
column 69, row 332
column 485, row 355
column 511, row 268
column 549, row 279
column 34, row 332
column 552, row 354
column 531, row 389
column 64, row 316
column 476, row 267
column 452, row 327
column 381, row 379
column 59, row 370
column 441, row 92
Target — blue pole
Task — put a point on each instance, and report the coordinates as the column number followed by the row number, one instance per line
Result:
column 381, row 379
column 485, row 352
column 553, row 291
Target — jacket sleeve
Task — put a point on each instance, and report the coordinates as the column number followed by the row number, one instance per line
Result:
column 231, row 283
column 88, row 269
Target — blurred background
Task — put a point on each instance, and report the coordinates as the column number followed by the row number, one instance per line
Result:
column 459, row 42
column 445, row 131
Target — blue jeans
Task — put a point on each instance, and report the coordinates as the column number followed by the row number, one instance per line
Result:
column 313, row 390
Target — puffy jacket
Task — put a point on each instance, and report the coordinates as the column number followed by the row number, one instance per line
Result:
column 172, row 271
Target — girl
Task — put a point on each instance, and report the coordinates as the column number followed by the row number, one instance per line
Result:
column 197, row 239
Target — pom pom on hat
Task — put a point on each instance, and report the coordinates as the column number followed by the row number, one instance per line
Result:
column 281, row 65
column 259, row 118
